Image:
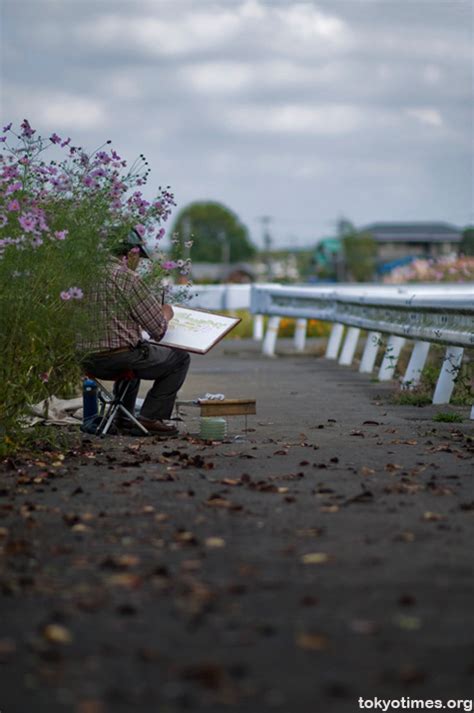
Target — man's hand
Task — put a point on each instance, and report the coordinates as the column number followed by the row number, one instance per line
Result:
column 168, row 312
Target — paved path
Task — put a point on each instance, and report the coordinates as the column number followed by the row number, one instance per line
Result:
column 323, row 555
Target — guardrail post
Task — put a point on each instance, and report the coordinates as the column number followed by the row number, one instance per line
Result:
column 370, row 353
column 390, row 359
column 472, row 413
column 334, row 342
column 258, row 327
column 415, row 365
column 449, row 371
column 300, row 334
column 349, row 347
column 271, row 336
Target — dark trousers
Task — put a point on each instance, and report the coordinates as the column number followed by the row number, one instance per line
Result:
column 165, row 366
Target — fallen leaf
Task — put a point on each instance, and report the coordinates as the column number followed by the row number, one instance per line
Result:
column 366, row 471
column 126, row 580
column 364, row 626
column 7, row 649
column 391, row 467
column 433, row 516
column 329, row 508
column 407, row 536
column 57, row 634
column 408, row 623
column 312, row 642
column 80, row 527
column 310, row 532
column 411, row 674
column 90, row 706
column 315, row 558
column 214, row 542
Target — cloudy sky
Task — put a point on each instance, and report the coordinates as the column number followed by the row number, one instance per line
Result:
column 302, row 111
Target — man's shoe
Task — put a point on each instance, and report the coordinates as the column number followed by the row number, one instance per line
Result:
column 158, row 428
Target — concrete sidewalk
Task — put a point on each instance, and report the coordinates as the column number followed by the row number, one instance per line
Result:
column 323, row 555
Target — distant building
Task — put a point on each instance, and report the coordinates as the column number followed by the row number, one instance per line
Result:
column 212, row 272
column 401, row 240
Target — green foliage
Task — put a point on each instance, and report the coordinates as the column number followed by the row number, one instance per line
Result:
column 466, row 246
column 447, row 417
column 422, row 393
column 212, row 233
column 412, row 398
column 360, row 252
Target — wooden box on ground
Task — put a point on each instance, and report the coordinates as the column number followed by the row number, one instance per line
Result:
column 228, row 407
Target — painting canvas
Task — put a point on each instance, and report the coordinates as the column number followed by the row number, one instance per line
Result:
column 195, row 330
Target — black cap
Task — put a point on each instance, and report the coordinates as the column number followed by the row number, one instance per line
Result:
column 134, row 240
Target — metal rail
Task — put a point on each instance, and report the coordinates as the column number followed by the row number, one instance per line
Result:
column 425, row 314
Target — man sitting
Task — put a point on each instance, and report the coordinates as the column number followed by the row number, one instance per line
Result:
column 122, row 307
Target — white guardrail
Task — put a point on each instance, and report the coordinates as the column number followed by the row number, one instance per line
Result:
column 424, row 314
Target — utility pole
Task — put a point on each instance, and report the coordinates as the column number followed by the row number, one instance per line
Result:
column 225, row 245
column 267, row 241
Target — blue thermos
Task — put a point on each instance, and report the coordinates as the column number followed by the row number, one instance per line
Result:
column 90, row 408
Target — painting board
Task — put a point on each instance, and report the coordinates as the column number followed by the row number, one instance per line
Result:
column 196, row 330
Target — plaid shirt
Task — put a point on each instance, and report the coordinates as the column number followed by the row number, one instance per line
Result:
column 121, row 307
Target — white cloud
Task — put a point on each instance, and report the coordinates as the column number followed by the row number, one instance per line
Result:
column 56, row 111
column 233, row 77
column 159, row 32
column 426, row 115
column 155, row 36
column 218, row 77
column 306, row 22
column 66, row 111
column 294, row 119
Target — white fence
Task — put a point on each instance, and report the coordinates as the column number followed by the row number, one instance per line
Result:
column 225, row 297
column 424, row 314
column 219, row 297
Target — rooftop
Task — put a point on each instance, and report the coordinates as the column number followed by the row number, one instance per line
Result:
column 414, row 232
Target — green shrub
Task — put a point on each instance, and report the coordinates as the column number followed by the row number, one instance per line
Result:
column 59, row 222
column 447, row 417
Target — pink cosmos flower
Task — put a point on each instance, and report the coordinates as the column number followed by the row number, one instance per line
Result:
column 26, row 129
column 13, row 206
column 61, row 234
column 76, row 293
column 17, row 186
column 55, row 139
column 3, row 220
column 27, row 222
column 44, row 376
column 73, row 293
column 140, row 229
column 169, row 265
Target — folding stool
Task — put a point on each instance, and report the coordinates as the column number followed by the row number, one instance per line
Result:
column 111, row 404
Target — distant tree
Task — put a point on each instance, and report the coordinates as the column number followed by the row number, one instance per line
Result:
column 466, row 246
column 216, row 233
column 360, row 251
